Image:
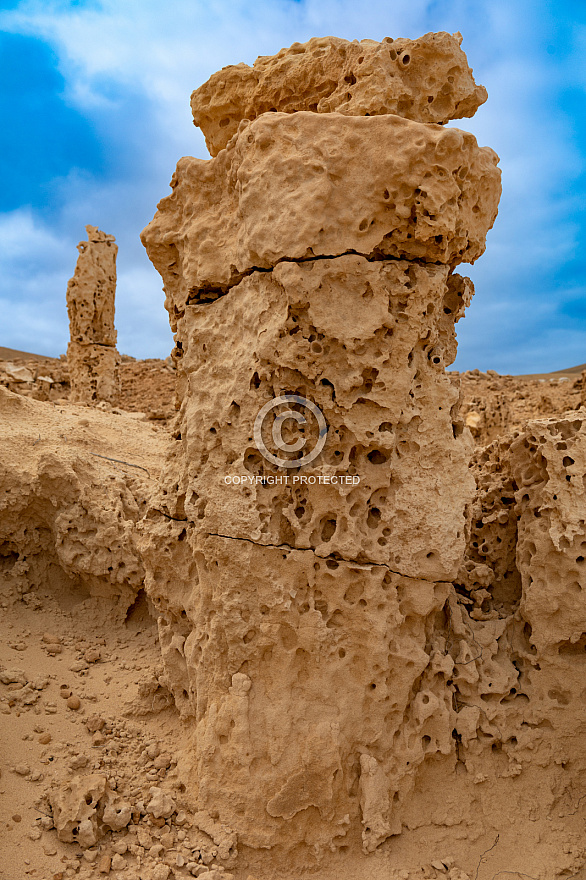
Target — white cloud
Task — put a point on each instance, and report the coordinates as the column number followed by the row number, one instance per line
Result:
column 154, row 55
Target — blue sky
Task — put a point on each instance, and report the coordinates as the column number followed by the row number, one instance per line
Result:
column 94, row 103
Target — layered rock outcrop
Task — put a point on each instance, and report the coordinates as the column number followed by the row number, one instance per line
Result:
column 427, row 80
column 68, row 512
column 91, row 354
column 300, row 601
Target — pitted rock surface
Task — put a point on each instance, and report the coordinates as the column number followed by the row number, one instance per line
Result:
column 314, row 256
column 92, row 356
column 427, row 80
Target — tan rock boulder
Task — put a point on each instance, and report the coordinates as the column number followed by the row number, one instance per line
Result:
column 294, row 187
column 85, row 807
column 427, row 80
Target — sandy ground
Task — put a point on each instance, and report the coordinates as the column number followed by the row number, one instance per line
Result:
column 79, row 692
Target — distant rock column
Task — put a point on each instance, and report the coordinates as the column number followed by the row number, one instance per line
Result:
column 91, row 354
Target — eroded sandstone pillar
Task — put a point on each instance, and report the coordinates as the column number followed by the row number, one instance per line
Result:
column 301, row 620
column 91, row 354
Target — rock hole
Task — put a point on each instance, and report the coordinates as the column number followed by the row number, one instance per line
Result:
column 328, row 529
column 377, row 457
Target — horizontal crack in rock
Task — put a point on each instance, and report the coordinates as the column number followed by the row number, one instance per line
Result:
column 303, row 550
column 211, row 293
column 328, row 556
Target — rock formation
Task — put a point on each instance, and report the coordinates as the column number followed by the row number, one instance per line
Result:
column 427, row 80
column 91, row 354
column 68, row 513
column 303, row 607
column 371, row 636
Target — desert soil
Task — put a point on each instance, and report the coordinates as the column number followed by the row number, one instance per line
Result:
column 79, row 690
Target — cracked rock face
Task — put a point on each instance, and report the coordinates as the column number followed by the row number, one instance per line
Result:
column 91, row 354
column 301, row 619
column 295, row 187
column 427, row 80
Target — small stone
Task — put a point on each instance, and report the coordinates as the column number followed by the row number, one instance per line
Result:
column 118, row 862
column 73, row 703
column 45, row 739
column 17, row 817
column 78, row 762
column 162, row 762
column 153, row 751
column 22, row 769
column 50, row 639
column 90, row 855
column 105, row 864
column 92, row 655
column 161, row 804
column 181, row 818
column 50, row 849
column 439, row 866
column 161, row 872
column 156, row 850
column 167, row 839
column 54, row 649
column 94, row 723
column 65, row 692
column 120, row 847
column 179, row 860
column 98, row 739
column 35, row 834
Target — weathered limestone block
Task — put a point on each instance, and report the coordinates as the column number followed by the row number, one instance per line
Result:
column 527, row 531
column 91, row 354
column 303, row 621
column 94, row 371
column 291, row 187
column 68, row 515
column 521, row 615
column 548, row 464
column 296, row 677
column 92, row 290
column 85, row 808
column 368, row 343
column 427, row 80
